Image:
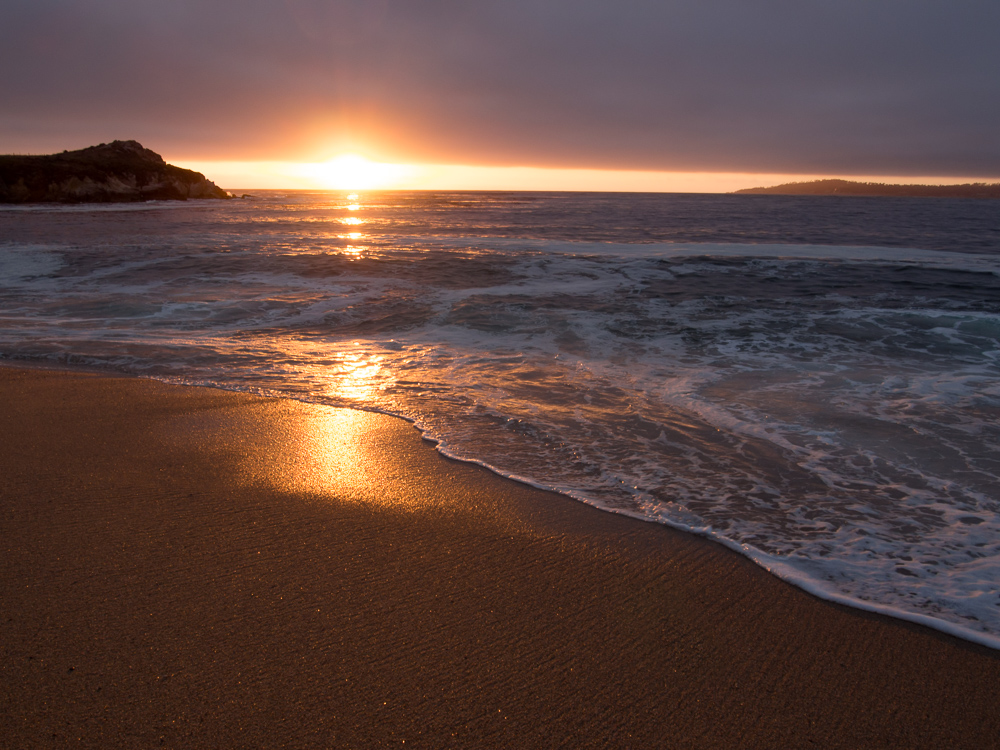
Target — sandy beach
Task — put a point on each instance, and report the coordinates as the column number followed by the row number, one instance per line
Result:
column 187, row 567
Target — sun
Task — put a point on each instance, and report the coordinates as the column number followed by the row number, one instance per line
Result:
column 353, row 172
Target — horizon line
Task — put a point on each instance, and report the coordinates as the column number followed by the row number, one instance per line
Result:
column 350, row 172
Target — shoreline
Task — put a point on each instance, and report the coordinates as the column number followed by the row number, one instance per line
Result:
column 773, row 566
column 188, row 564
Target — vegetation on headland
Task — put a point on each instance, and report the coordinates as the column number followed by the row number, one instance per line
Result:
column 846, row 187
column 121, row 171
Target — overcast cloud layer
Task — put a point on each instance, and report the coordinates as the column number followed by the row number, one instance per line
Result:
column 836, row 86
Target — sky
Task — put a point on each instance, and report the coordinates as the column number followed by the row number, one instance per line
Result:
column 514, row 92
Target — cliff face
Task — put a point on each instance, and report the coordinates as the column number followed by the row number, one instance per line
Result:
column 121, row 171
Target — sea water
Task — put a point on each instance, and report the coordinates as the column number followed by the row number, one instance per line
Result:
column 811, row 381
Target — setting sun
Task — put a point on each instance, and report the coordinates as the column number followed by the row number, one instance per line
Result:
column 353, row 172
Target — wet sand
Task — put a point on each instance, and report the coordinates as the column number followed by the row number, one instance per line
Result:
column 186, row 567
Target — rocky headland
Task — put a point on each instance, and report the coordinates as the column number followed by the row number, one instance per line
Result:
column 847, row 187
column 120, row 171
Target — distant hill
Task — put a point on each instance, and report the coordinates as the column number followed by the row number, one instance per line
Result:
column 121, row 171
column 846, row 187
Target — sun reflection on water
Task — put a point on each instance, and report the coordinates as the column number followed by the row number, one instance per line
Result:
column 356, row 377
column 351, row 250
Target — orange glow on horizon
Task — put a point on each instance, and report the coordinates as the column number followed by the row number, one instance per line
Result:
column 353, row 172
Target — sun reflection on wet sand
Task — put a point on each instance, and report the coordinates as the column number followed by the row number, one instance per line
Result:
column 331, row 452
column 344, row 455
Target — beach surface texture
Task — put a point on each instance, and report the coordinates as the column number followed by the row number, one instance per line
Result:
column 189, row 567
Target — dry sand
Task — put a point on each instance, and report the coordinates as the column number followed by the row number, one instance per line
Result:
column 190, row 568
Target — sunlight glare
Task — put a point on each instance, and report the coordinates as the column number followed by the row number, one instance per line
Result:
column 353, row 172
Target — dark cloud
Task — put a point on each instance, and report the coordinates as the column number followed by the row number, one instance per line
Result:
column 890, row 86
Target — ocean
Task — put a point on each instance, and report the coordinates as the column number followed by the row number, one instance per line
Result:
column 812, row 381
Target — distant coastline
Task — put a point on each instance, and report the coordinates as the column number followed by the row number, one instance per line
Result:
column 116, row 172
column 846, row 187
